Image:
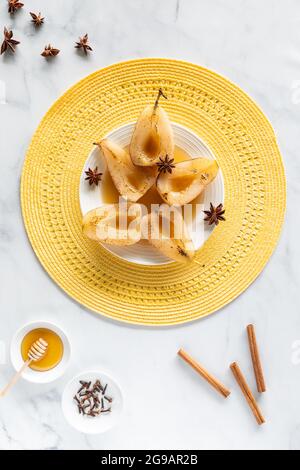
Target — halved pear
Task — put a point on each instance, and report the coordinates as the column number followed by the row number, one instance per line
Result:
column 115, row 224
column 169, row 234
column 152, row 136
column 187, row 180
column 131, row 181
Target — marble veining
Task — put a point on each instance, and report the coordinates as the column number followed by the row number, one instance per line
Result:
column 256, row 45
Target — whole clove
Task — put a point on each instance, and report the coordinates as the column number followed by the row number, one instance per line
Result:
column 90, row 398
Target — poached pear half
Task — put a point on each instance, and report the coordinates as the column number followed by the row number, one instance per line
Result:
column 169, row 234
column 131, row 181
column 152, row 136
column 114, row 224
column 186, row 181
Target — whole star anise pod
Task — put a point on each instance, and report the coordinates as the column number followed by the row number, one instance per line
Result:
column 8, row 43
column 165, row 165
column 83, row 44
column 37, row 19
column 214, row 214
column 92, row 176
column 50, row 51
column 14, row 5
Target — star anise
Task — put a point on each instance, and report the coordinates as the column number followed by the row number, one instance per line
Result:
column 83, row 44
column 8, row 43
column 14, row 5
column 50, row 51
column 214, row 214
column 92, row 176
column 165, row 165
column 37, row 19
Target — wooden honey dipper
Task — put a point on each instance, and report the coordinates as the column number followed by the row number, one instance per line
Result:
column 36, row 352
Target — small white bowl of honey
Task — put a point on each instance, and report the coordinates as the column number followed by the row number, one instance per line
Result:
column 53, row 364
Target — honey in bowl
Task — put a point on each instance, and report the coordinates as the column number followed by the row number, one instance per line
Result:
column 54, row 352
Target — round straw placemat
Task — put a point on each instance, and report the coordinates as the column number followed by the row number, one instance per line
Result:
column 245, row 146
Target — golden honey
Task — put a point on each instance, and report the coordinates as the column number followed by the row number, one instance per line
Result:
column 54, row 352
column 110, row 194
column 180, row 155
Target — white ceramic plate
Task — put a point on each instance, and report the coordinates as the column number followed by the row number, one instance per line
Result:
column 143, row 252
column 87, row 424
column 34, row 375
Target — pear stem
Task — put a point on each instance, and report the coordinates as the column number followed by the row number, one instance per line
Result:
column 160, row 93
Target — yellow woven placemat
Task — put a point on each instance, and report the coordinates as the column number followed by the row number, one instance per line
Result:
column 245, row 146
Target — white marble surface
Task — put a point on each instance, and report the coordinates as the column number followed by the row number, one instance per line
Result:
column 257, row 45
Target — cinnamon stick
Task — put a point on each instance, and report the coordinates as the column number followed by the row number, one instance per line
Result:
column 258, row 371
column 247, row 393
column 218, row 386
